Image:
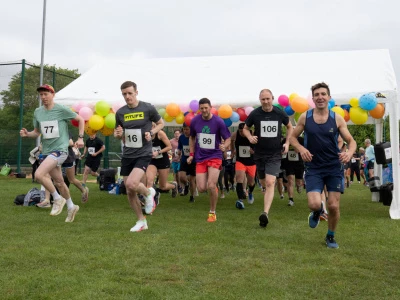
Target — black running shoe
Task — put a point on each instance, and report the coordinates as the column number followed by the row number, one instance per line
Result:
column 191, row 199
column 174, row 190
column 186, row 190
column 157, row 197
column 263, row 219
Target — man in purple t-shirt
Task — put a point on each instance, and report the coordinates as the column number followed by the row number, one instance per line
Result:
column 209, row 137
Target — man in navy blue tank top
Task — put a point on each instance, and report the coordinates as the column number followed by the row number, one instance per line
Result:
column 322, row 157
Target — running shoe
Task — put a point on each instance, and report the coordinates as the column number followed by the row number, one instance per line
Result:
column 175, row 189
column 191, row 199
column 263, row 219
column 150, row 204
column 139, row 226
column 290, row 203
column 299, row 189
column 313, row 218
column 331, row 242
column 323, row 217
column 58, row 206
column 212, row 217
column 250, row 200
column 44, row 204
column 157, row 198
column 85, row 195
column 239, row 204
column 186, row 190
column 71, row 214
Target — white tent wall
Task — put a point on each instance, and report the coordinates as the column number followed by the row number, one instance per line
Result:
column 237, row 80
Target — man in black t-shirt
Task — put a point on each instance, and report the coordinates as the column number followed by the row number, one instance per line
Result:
column 94, row 148
column 267, row 121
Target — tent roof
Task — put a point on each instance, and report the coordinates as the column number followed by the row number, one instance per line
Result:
column 237, row 79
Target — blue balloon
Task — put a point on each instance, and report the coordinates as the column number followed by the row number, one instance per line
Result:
column 235, row 117
column 368, row 101
column 330, row 105
column 346, row 106
column 289, row 111
column 228, row 122
column 332, row 102
column 185, row 113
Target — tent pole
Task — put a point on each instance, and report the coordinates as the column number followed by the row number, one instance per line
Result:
column 394, row 210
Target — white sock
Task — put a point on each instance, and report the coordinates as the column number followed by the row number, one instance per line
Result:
column 42, row 188
column 56, row 195
column 70, row 204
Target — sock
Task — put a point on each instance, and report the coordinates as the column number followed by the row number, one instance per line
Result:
column 42, row 188
column 251, row 188
column 239, row 191
column 56, row 195
column 70, row 204
column 291, row 199
column 332, row 233
column 212, row 212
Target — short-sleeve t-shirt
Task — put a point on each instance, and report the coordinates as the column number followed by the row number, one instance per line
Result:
column 174, row 144
column 93, row 146
column 268, row 129
column 136, row 122
column 183, row 146
column 208, row 135
column 53, row 125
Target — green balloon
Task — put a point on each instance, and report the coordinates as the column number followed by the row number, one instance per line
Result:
column 278, row 105
column 161, row 112
column 102, row 108
column 109, row 121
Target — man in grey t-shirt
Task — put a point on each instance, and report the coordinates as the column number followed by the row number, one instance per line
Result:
column 51, row 122
column 134, row 126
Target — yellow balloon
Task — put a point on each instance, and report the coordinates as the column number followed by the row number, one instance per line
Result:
column 292, row 96
column 168, row 118
column 180, row 118
column 358, row 115
column 96, row 122
column 338, row 110
column 354, row 102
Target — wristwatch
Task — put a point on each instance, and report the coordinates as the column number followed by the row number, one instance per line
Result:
column 80, row 136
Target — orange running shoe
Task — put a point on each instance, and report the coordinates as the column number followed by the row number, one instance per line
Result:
column 212, row 217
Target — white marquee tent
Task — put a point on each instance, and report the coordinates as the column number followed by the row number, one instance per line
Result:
column 237, row 80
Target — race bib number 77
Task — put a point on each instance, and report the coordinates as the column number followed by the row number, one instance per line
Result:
column 49, row 129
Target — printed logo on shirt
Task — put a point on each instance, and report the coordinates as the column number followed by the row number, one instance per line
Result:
column 331, row 130
column 206, row 129
column 134, row 116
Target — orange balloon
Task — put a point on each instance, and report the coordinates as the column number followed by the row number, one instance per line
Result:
column 346, row 115
column 299, row 104
column 89, row 130
column 172, row 110
column 106, row 131
column 378, row 112
column 225, row 111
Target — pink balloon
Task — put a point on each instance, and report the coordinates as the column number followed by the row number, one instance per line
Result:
column 116, row 106
column 248, row 110
column 310, row 101
column 79, row 105
column 85, row 112
column 283, row 100
column 184, row 107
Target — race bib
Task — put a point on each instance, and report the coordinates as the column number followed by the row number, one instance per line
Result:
column 388, row 153
column 353, row 160
column 207, row 140
column 229, row 154
column 155, row 149
column 284, row 155
column 176, row 152
column 133, row 138
column 91, row 150
column 293, row 156
column 186, row 150
column 269, row 129
column 49, row 129
column 244, row 151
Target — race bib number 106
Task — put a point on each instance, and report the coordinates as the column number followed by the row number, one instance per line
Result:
column 269, row 129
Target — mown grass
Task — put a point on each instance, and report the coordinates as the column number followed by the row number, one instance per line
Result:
column 182, row 256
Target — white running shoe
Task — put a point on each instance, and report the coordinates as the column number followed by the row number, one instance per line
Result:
column 58, row 206
column 290, row 203
column 85, row 195
column 196, row 193
column 140, row 225
column 71, row 214
column 150, row 204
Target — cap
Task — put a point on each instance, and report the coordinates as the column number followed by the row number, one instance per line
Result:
column 46, row 87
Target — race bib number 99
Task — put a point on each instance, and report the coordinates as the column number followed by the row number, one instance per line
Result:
column 207, row 140
column 49, row 129
column 133, row 138
column 269, row 129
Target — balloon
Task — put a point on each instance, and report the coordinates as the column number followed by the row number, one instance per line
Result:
column 184, row 107
column 242, row 114
column 109, row 120
column 96, row 122
column 310, row 101
column 358, row 115
column 346, row 115
column 235, row 117
column 75, row 123
column 332, row 102
column 292, row 96
column 194, row 105
column 346, row 106
column 353, row 102
column 368, row 101
column 338, row 110
column 283, row 100
column 225, row 111
column 180, row 118
column 297, row 116
column 77, row 106
column 161, row 111
column 289, row 111
column 89, row 130
column 278, row 106
column 85, row 112
column 299, row 104
column 116, row 106
column 248, row 110
column 228, row 122
column 106, row 131
column 168, row 118
column 188, row 118
column 102, row 108
column 214, row 111
column 173, row 109
column 378, row 112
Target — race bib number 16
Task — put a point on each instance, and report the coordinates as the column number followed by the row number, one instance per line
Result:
column 133, row 138
column 269, row 129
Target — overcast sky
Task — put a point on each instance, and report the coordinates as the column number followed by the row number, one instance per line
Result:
column 79, row 33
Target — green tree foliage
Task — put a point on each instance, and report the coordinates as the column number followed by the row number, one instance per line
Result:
column 9, row 114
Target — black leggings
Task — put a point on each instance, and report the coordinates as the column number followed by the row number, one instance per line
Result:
column 355, row 169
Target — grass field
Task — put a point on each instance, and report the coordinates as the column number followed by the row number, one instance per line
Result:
column 182, row 256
